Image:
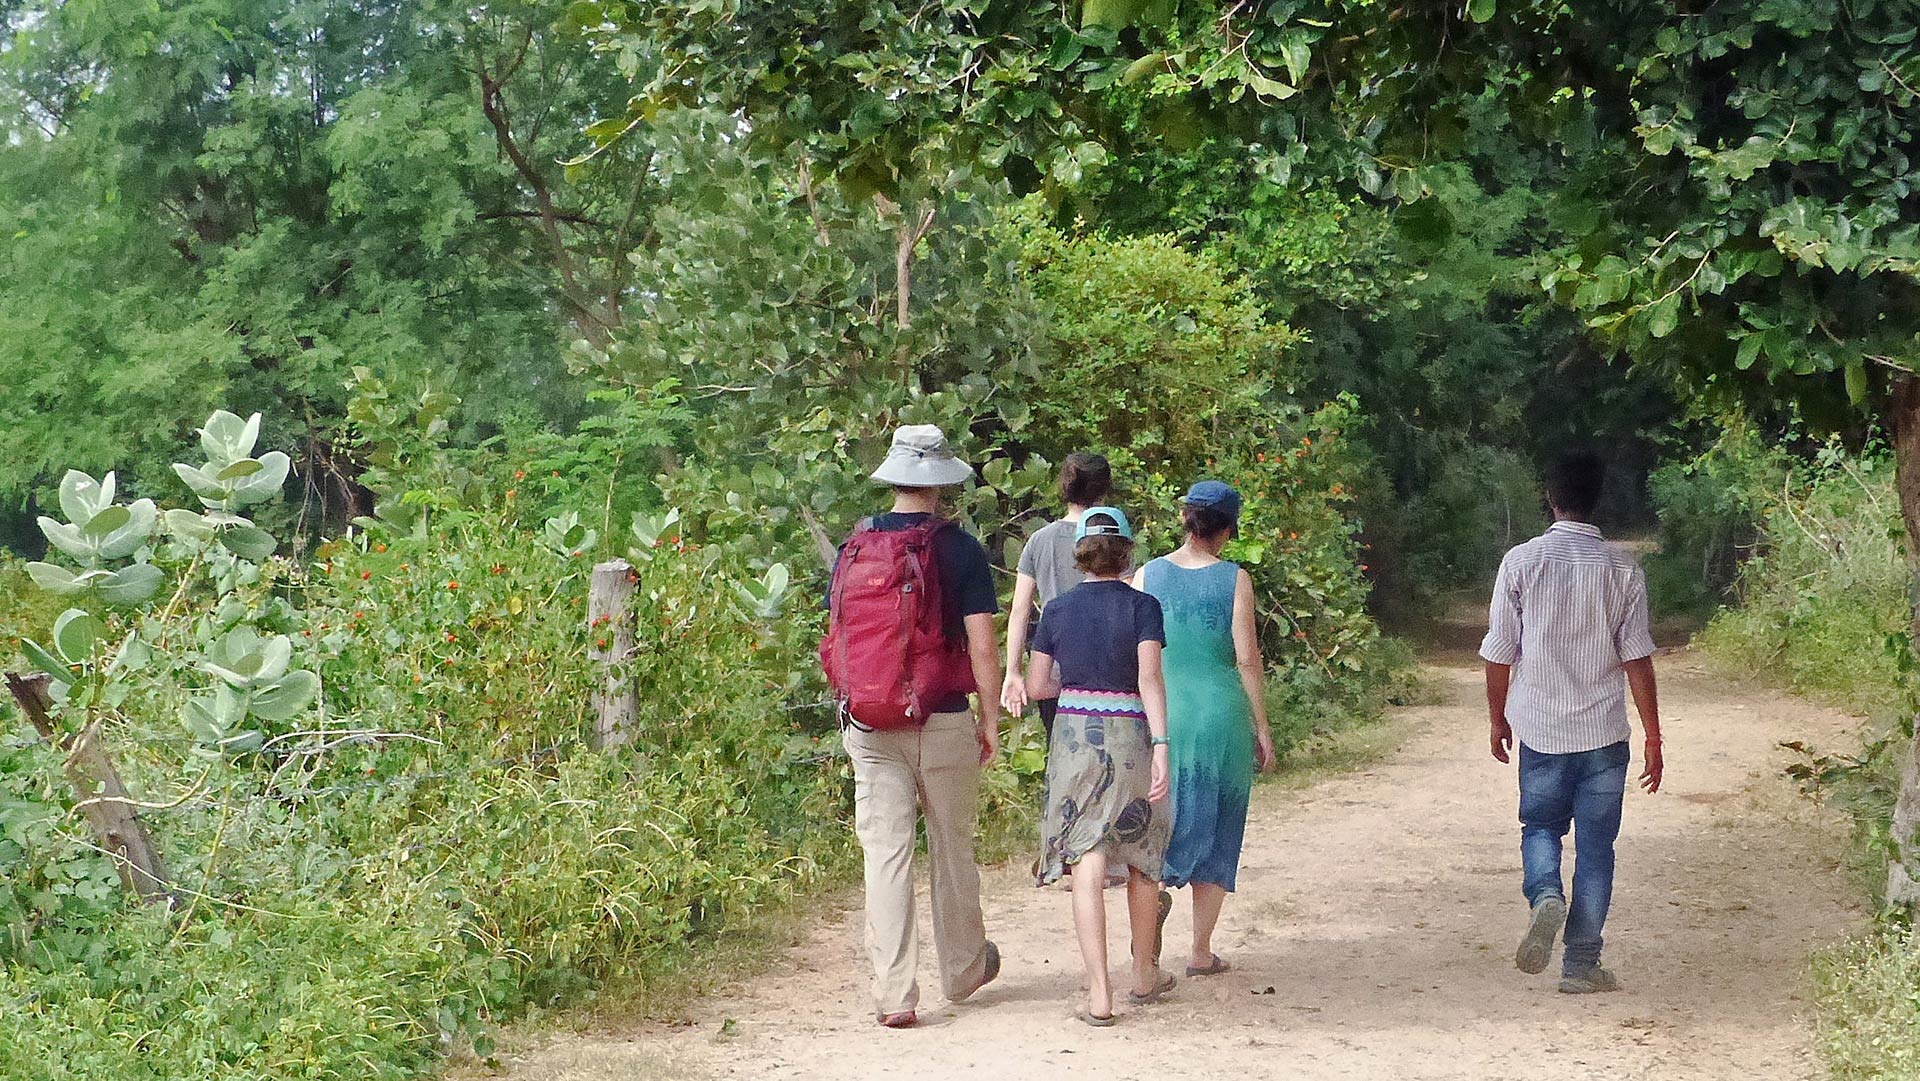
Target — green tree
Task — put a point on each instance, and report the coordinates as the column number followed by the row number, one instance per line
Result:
column 241, row 200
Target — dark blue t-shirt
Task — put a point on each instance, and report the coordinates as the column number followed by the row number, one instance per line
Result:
column 1094, row 630
column 966, row 584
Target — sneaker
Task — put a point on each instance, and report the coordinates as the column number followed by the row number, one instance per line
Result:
column 1536, row 948
column 1591, row 982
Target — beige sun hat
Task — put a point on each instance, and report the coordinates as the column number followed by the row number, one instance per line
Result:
column 920, row 458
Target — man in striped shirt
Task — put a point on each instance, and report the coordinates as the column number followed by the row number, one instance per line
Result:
column 1566, row 636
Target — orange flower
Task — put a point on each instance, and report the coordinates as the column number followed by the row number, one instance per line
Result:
column 511, row 492
column 364, row 575
column 379, row 547
column 1336, row 489
column 451, row 636
column 1260, row 457
column 452, row 585
column 519, row 474
column 499, row 568
column 1306, row 441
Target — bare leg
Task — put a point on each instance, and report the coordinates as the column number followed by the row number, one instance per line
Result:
column 1090, row 925
column 1143, row 912
column 1207, row 899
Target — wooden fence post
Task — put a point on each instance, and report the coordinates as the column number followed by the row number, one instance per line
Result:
column 102, row 797
column 610, row 628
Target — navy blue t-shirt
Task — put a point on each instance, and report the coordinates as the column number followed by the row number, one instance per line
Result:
column 1094, row 630
column 966, row 583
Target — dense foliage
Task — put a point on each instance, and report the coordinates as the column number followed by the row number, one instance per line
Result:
column 523, row 285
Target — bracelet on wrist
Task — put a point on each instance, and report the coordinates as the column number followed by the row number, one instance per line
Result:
column 1157, row 741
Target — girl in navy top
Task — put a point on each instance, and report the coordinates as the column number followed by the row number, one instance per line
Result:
column 1107, row 762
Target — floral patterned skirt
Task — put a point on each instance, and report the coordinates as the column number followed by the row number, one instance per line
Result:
column 1099, row 768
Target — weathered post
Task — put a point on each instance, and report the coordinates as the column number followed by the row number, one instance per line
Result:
column 610, row 626
column 101, row 794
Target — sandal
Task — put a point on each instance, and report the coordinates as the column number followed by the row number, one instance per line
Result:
column 1165, row 984
column 1216, row 968
column 1087, row 1017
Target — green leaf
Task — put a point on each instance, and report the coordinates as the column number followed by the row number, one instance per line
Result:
column 1143, row 67
column 245, row 467
column 106, row 522
column 201, row 720
column 1857, row 382
column 226, row 437
column 131, row 585
column 285, row 699
column 1480, row 10
column 1270, row 88
column 1112, row 14
column 1664, row 315
column 1297, row 51
column 55, row 579
column 188, row 526
column 250, row 543
column 82, row 497
column 42, row 659
column 1748, row 352
column 75, row 634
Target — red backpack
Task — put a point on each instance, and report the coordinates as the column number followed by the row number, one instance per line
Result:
column 887, row 654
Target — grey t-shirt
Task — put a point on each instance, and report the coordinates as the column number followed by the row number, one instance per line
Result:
column 1048, row 558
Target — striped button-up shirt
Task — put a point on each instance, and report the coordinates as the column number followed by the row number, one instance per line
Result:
column 1569, row 610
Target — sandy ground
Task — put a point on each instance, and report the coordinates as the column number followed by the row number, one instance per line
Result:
column 1372, row 936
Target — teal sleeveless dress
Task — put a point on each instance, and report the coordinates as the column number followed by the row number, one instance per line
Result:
column 1209, row 722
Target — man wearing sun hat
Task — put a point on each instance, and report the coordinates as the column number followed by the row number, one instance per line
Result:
column 924, row 758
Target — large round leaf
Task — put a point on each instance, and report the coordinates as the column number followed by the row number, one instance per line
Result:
column 131, row 585
column 75, row 634
column 55, row 579
column 285, row 699
column 106, row 522
column 249, row 542
column 82, row 497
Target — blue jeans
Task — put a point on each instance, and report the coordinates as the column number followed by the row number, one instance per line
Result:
column 1583, row 790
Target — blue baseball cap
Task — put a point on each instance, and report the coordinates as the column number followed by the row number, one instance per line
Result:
column 1114, row 525
column 1216, row 494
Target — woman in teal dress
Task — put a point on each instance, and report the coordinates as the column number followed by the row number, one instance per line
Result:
column 1216, row 708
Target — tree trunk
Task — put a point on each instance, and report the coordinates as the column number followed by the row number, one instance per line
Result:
column 1903, row 876
column 102, row 797
column 610, row 622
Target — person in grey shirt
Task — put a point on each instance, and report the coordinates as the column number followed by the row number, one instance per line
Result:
column 1046, row 571
column 1566, row 637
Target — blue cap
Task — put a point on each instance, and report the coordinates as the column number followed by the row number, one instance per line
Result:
column 1216, row 494
column 1116, row 524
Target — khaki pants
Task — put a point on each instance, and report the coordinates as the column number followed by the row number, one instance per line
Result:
column 898, row 775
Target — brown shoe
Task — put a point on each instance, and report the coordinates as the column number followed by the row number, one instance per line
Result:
column 988, row 974
column 903, row 1019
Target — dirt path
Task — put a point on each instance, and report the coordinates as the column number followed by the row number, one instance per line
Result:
column 1373, row 937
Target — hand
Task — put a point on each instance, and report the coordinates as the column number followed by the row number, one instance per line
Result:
column 1157, row 790
column 1501, row 737
column 1013, row 694
column 1263, row 756
column 988, row 731
column 1652, row 768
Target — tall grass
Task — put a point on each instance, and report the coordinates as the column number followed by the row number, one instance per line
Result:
column 1821, row 605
